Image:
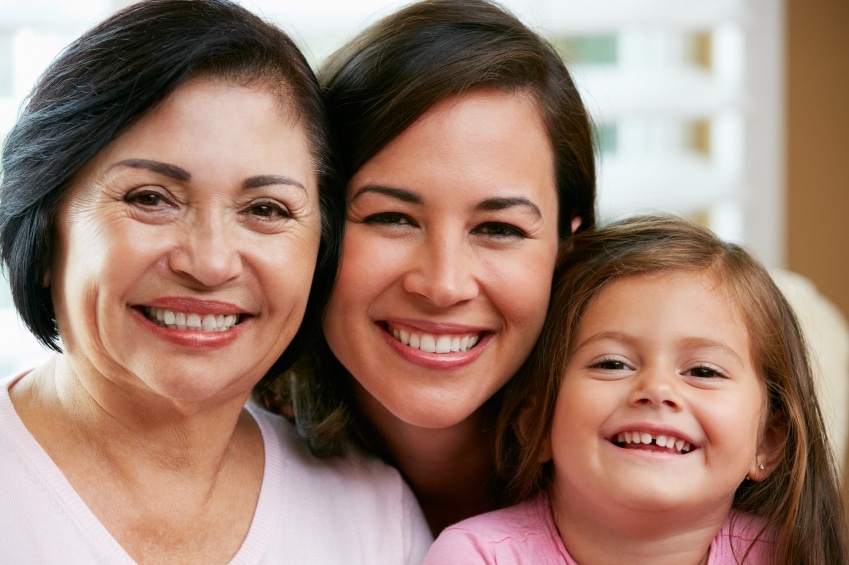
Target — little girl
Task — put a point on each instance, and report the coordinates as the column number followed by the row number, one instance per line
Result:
column 667, row 415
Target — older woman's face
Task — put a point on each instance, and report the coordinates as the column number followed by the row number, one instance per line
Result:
column 186, row 247
column 446, row 269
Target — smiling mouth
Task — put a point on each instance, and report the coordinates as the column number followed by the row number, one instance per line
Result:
column 435, row 343
column 172, row 319
column 652, row 442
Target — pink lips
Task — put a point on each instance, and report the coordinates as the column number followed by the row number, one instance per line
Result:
column 194, row 338
column 419, row 351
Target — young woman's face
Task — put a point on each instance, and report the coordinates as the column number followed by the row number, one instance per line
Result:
column 660, row 408
column 186, row 247
column 446, row 268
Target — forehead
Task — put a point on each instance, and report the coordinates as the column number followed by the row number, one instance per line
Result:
column 216, row 130
column 486, row 140
column 669, row 304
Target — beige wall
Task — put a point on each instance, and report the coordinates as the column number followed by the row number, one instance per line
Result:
column 818, row 144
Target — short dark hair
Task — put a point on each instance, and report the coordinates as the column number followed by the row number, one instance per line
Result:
column 800, row 498
column 109, row 78
column 382, row 81
column 377, row 86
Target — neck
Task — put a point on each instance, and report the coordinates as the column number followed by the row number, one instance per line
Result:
column 450, row 470
column 603, row 536
column 170, row 481
column 133, row 433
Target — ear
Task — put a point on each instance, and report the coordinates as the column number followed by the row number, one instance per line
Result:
column 770, row 450
column 545, row 454
column 45, row 282
column 576, row 223
column 528, row 418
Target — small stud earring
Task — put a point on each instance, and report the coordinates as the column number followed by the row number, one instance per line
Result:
column 761, row 466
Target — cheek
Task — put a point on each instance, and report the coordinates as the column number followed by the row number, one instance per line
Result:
column 579, row 414
column 522, row 289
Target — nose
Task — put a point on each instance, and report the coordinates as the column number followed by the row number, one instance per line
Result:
column 656, row 387
column 443, row 273
column 207, row 251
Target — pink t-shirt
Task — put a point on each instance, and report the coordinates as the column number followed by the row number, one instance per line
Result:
column 526, row 534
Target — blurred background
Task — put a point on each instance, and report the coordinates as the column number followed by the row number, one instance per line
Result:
column 733, row 112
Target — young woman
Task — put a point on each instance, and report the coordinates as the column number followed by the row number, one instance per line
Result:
column 468, row 158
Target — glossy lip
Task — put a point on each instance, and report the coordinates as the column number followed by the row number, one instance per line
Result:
column 655, row 430
column 194, row 305
column 194, row 339
column 434, row 361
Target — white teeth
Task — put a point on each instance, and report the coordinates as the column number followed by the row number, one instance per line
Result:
column 193, row 321
column 661, row 441
column 430, row 343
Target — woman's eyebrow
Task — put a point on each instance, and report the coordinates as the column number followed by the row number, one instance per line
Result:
column 166, row 169
column 392, row 192
column 495, row 204
column 267, row 180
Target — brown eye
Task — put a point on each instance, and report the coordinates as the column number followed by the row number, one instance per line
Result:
column 499, row 229
column 705, row 372
column 389, row 218
column 270, row 210
column 148, row 199
column 609, row 365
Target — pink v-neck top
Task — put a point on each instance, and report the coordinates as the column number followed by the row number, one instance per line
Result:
column 351, row 510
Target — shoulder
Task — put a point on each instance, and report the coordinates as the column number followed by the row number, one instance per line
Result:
column 523, row 533
column 742, row 533
column 355, row 467
column 364, row 502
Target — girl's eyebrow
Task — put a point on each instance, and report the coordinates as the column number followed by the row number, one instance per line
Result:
column 689, row 342
column 707, row 343
column 488, row 205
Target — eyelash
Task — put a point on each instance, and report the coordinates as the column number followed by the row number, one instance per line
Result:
column 263, row 210
column 500, row 230
column 613, row 364
column 489, row 229
column 606, row 364
column 275, row 209
column 713, row 372
column 137, row 197
column 388, row 218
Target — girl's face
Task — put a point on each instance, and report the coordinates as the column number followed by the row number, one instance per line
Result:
column 449, row 248
column 660, row 409
column 186, row 247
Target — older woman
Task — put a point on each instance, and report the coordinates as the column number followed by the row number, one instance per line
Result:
column 161, row 212
column 468, row 158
